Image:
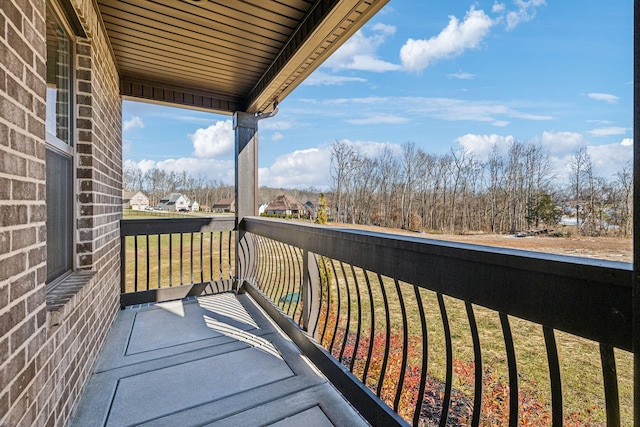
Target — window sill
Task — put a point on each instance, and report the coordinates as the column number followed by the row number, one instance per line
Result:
column 62, row 292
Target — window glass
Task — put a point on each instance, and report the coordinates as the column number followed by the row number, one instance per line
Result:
column 59, row 153
column 58, row 121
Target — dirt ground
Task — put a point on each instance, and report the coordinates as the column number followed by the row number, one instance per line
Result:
column 609, row 248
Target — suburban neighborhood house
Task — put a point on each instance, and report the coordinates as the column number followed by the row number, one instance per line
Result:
column 174, row 202
column 224, row 205
column 135, row 200
column 285, row 205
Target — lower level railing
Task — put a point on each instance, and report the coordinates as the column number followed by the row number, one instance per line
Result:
column 169, row 258
column 448, row 333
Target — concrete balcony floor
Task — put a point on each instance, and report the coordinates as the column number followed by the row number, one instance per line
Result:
column 212, row 360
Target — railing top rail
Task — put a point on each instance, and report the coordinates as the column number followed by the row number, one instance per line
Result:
column 586, row 297
column 137, row 227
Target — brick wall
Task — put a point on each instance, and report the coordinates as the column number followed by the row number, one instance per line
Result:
column 49, row 341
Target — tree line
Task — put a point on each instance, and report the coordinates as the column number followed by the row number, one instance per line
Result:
column 513, row 190
column 157, row 183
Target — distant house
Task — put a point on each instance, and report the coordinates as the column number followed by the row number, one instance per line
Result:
column 195, row 206
column 174, row 202
column 224, row 205
column 312, row 211
column 262, row 207
column 135, row 200
column 285, row 205
column 205, row 208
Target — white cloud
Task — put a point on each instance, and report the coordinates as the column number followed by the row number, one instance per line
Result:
column 277, row 136
column 609, row 159
column 606, row 97
column 560, row 144
column 275, row 124
column 526, row 12
column 416, row 55
column 134, row 122
column 453, row 109
column 221, row 170
column 482, row 145
column 359, row 52
column 299, row 169
column 498, row 7
column 608, row 131
column 379, row 119
column 215, row 141
column 384, row 28
column 319, row 78
column 461, row 75
column 143, row 165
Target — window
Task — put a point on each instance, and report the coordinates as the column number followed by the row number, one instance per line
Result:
column 60, row 148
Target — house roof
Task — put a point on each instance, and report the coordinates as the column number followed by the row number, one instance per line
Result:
column 225, row 56
column 128, row 195
column 172, row 198
column 285, row 203
column 224, row 202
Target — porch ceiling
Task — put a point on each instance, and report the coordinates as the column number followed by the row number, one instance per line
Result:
column 224, row 55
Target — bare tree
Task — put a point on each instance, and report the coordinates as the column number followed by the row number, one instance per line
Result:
column 578, row 166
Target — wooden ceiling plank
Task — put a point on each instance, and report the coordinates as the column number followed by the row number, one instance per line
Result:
column 186, row 42
column 157, row 65
column 134, row 34
column 221, row 64
column 123, row 12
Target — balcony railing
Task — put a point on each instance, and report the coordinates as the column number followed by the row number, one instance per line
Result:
column 169, row 258
column 444, row 333
column 389, row 307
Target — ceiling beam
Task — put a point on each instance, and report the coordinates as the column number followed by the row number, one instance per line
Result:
column 187, row 97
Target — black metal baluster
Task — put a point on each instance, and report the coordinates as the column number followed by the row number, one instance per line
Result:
column 148, row 261
column 135, row 262
column 201, row 257
column 446, row 400
column 191, row 277
column 229, row 261
column 220, row 256
column 477, row 361
column 405, row 345
column 338, row 308
column 170, row 260
column 359, row 324
column 554, row 376
column 328, row 312
column 425, row 357
column 348, row 326
column 371, row 329
column 610, row 377
column 299, row 264
column 211, row 256
column 282, row 280
column 513, row 370
column 181, row 258
column 289, row 279
column 387, row 343
column 273, row 274
column 159, row 264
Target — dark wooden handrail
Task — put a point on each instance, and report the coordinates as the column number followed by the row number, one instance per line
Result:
column 585, row 297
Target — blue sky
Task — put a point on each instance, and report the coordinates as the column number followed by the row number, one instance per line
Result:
column 446, row 75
